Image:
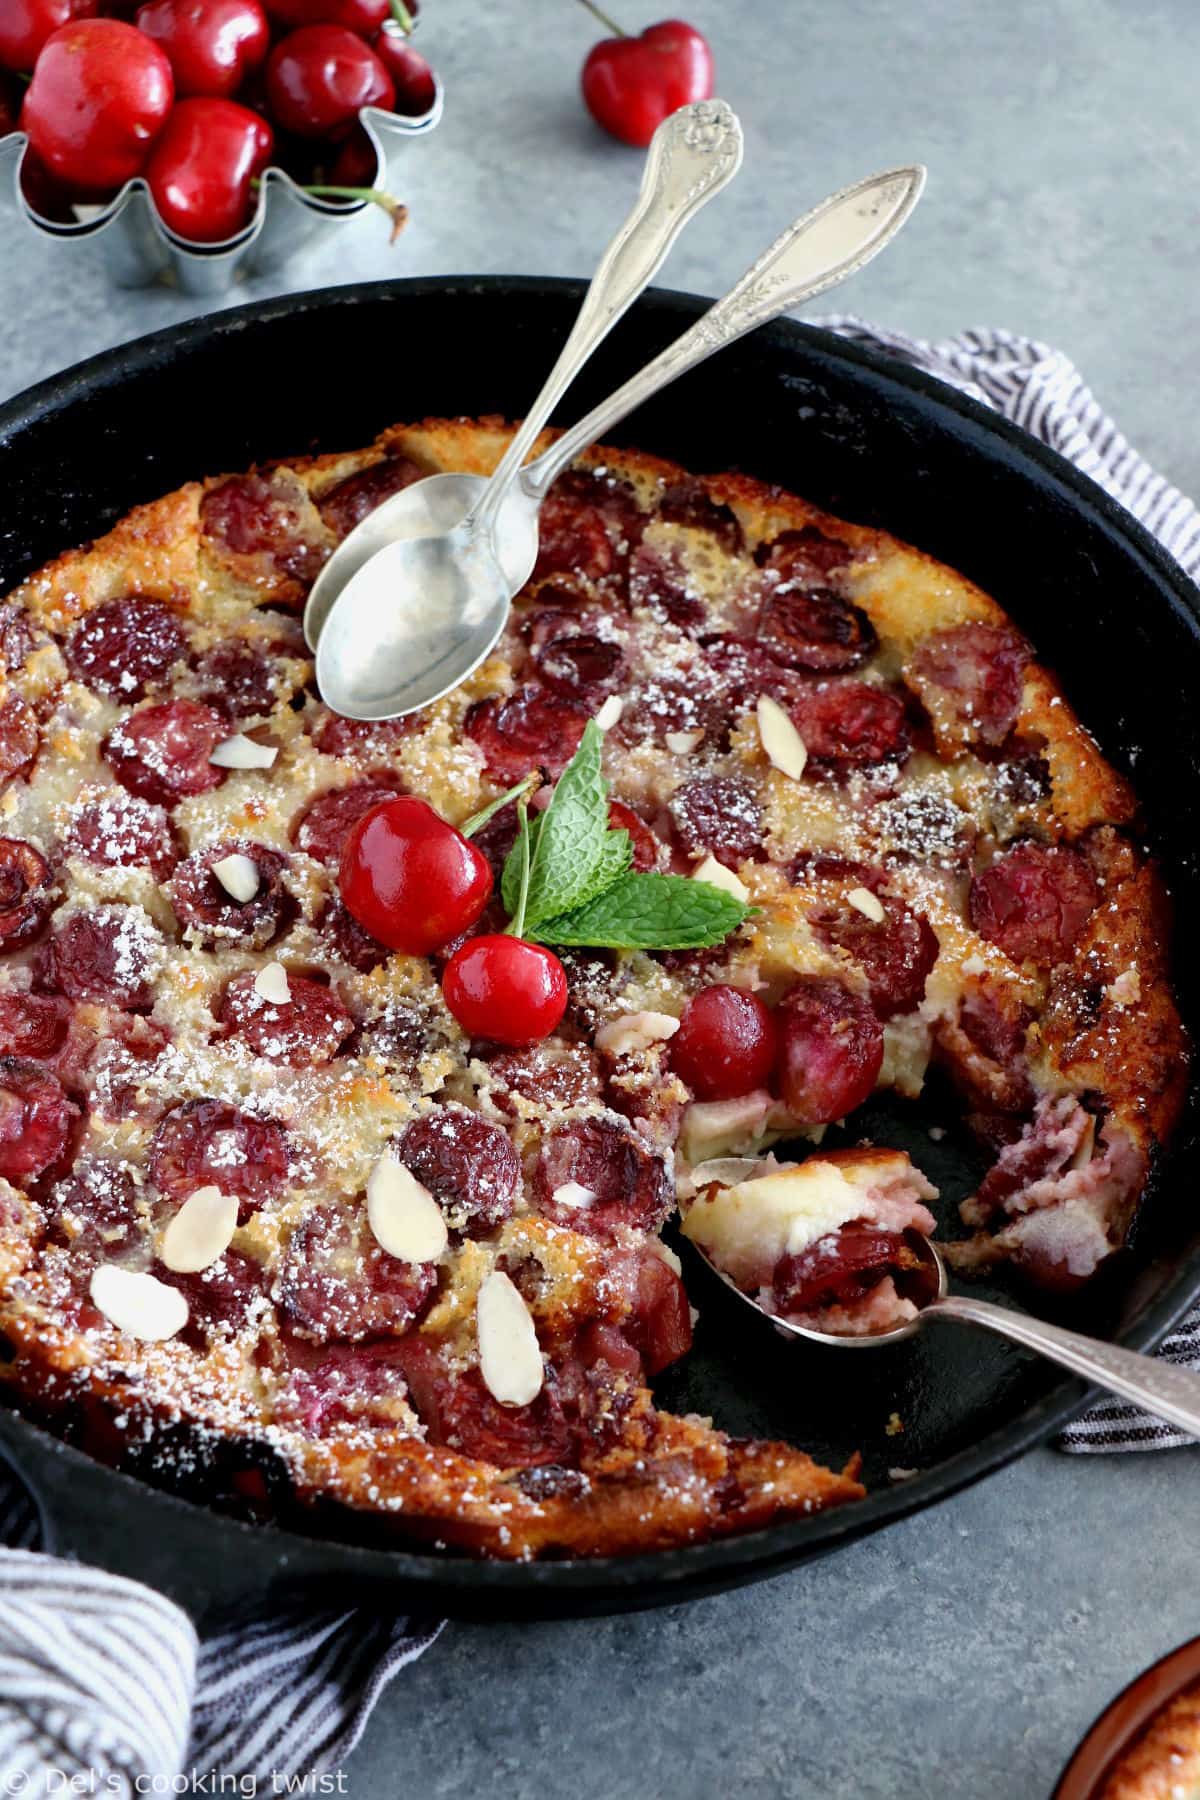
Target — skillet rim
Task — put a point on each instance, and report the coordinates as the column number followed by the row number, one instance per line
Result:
column 652, row 1578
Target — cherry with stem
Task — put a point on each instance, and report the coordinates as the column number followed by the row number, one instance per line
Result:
column 395, row 209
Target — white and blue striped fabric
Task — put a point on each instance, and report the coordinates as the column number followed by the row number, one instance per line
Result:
column 105, row 1681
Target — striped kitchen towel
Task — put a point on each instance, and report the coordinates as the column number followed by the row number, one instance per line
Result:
column 105, row 1685
column 105, row 1681
column 1040, row 390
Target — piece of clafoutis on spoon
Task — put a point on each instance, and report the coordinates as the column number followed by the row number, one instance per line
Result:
column 837, row 1250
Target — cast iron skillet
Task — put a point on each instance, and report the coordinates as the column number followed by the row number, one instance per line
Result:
column 865, row 437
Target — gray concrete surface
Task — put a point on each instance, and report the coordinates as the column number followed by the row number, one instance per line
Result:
column 959, row 1656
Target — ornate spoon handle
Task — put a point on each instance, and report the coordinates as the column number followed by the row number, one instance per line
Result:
column 836, row 239
column 692, row 156
column 1164, row 1389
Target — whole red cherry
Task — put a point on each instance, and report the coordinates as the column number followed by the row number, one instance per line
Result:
column 320, row 76
column 202, row 165
column 26, row 24
column 725, row 1045
column 48, row 197
column 410, row 878
column 505, row 989
column 10, row 106
column 356, row 163
column 416, row 89
column 99, row 97
column 362, row 16
column 212, row 45
column 631, row 84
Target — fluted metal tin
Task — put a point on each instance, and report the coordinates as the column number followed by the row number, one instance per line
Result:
column 137, row 249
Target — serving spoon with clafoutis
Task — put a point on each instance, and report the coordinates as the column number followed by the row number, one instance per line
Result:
column 1162, row 1388
column 400, row 620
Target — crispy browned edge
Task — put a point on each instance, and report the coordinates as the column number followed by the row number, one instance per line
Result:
column 646, row 1496
column 1165, row 1760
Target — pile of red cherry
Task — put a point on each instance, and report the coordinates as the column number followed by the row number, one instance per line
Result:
column 198, row 96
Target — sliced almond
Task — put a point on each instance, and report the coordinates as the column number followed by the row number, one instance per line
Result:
column 200, row 1232
column 610, row 712
column 634, row 1031
column 238, row 875
column 726, row 1171
column 572, row 1195
column 1087, row 1145
column 241, row 752
column 682, row 743
column 715, row 1129
column 715, row 872
column 780, row 739
column 1126, row 990
column 868, row 904
column 510, row 1358
column 404, row 1216
column 140, row 1304
column 271, row 983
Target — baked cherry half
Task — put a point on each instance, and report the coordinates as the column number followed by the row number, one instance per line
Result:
column 725, row 1045
column 505, row 989
column 411, row 879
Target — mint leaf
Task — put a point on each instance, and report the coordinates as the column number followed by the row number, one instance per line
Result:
column 616, row 854
column 510, row 880
column 521, row 851
column 649, row 912
column 567, row 847
column 567, row 880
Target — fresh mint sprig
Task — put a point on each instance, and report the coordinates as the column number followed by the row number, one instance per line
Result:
column 570, row 859
column 649, row 912
column 567, row 879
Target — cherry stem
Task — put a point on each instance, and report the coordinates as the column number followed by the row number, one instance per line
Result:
column 608, row 24
column 402, row 17
column 521, row 792
column 396, row 211
column 517, row 923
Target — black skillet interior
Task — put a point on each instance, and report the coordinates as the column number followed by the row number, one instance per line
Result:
column 865, row 438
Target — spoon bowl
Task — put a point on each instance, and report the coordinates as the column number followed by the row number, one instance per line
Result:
column 926, row 1285
column 429, row 611
column 1165, row 1389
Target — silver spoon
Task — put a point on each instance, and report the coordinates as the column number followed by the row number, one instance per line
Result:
column 694, row 153
column 375, row 658
column 1162, row 1388
column 833, row 241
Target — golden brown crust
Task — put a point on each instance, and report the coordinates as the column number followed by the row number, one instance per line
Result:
column 1111, row 1026
column 1164, row 1764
